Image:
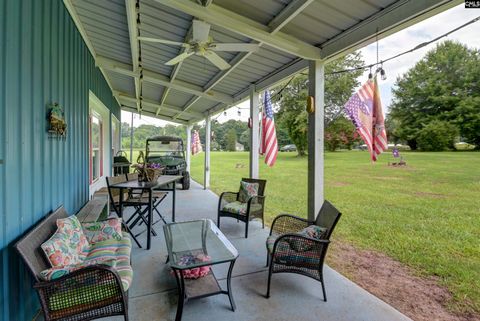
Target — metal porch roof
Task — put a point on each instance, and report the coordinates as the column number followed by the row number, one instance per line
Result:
column 290, row 32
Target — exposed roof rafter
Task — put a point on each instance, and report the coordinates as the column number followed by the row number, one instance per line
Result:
column 132, row 13
column 156, row 78
column 247, row 27
column 293, row 9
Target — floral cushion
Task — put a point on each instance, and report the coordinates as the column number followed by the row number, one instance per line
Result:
column 68, row 245
column 78, row 241
column 247, row 190
column 313, row 231
column 240, row 208
column 59, row 271
column 103, row 230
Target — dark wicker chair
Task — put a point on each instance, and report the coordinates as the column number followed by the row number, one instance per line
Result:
column 86, row 294
column 295, row 253
column 255, row 205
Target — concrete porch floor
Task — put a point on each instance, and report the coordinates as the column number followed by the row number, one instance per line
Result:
column 153, row 295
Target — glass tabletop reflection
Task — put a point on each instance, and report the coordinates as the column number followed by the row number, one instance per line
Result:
column 197, row 243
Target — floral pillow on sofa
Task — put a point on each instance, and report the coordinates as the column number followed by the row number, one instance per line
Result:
column 68, row 245
column 103, row 230
column 247, row 190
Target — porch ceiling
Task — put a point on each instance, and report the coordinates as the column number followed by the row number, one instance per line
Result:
column 290, row 32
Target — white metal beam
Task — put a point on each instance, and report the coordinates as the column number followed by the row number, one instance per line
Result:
column 316, row 87
column 162, row 80
column 153, row 104
column 188, row 151
column 132, row 13
column 152, row 114
column 399, row 15
column 254, row 133
column 73, row 13
column 208, row 135
column 247, row 27
column 294, row 8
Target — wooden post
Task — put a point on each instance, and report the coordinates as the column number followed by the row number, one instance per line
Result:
column 254, row 133
column 316, row 75
column 208, row 135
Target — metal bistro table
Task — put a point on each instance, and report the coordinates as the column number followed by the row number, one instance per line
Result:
column 185, row 242
column 163, row 180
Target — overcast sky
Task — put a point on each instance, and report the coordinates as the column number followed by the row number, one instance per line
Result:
column 390, row 46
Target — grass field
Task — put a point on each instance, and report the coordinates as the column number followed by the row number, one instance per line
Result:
column 426, row 215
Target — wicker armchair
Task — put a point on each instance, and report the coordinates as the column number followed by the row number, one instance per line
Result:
column 254, row 207
column 89, row 293
column 290, row 252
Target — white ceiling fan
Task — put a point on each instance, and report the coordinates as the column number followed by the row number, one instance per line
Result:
column 202, row 44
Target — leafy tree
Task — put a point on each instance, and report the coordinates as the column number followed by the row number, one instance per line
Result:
column 231, row 140
column 443, row 86
column 340, row 133
column 437, row 136
column 338, row 89
column 245, row 139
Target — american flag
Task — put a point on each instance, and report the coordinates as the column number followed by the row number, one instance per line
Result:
column 269, row 137
column 365, row 110
column 196, row 145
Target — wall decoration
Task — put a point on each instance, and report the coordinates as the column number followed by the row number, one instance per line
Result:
column 56, row 120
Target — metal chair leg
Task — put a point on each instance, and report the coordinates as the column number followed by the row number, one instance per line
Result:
column 269, row 279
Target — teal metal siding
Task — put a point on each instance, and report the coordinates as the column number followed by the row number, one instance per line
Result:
column 43, row 59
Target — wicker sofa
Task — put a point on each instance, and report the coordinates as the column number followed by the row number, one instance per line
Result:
column 91, row 292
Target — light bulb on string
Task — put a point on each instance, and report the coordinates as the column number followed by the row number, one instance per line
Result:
column 239, row 112
column 370, row 75
column 225, row 113
column 383, row 75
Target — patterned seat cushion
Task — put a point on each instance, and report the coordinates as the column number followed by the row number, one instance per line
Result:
column 247, row 190
column 313, row 231
column 240, row 208
column 68, row 245
column 103, row 230
column 282, row 246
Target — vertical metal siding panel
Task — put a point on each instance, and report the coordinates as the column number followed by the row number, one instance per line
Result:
column 3, row 241
column 43, row 59
column 12, row 94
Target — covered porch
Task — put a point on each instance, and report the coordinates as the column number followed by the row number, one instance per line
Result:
column 153, row 295
column 60, row 51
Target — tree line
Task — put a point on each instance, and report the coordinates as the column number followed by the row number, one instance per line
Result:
column 435, row 104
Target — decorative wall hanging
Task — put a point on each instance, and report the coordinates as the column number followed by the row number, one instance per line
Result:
column 56, row 120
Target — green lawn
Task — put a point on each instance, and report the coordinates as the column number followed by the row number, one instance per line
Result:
column 426, row 215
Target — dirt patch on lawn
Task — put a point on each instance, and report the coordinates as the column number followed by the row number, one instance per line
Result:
column 419, row 298
column 432, row 195
column 339, row 184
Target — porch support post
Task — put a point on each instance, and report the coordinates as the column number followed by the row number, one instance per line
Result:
column 316, row 77
column 188, row 150
column 254, row 133
column 208, row 135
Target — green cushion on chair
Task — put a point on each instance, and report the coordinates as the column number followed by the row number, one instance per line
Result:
column 83, row 295
column 240, row 208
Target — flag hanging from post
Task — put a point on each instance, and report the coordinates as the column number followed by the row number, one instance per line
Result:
column 196, row 145
column 269, row 144
column 364, row 109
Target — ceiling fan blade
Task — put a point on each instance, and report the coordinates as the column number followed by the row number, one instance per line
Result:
column 217, row 60
column 200, row 31
column 234, row 47
column 179, row 58
column 164, row 41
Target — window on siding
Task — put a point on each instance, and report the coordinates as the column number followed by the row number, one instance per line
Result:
column 96, row 148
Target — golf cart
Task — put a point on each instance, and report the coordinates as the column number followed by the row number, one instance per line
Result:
column 169, row 152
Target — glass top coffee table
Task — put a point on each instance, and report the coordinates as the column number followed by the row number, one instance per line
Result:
column 191, row 246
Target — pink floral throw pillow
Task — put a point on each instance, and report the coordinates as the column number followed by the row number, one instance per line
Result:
column 247, row 190
column 77, row 239
column 58, row 251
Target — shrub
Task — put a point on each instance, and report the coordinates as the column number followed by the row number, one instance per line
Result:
column 436, row 136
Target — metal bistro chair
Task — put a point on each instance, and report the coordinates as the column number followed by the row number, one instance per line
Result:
column 243, row 211
column 157, row 196
column 288, row 251
column 137, row 203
